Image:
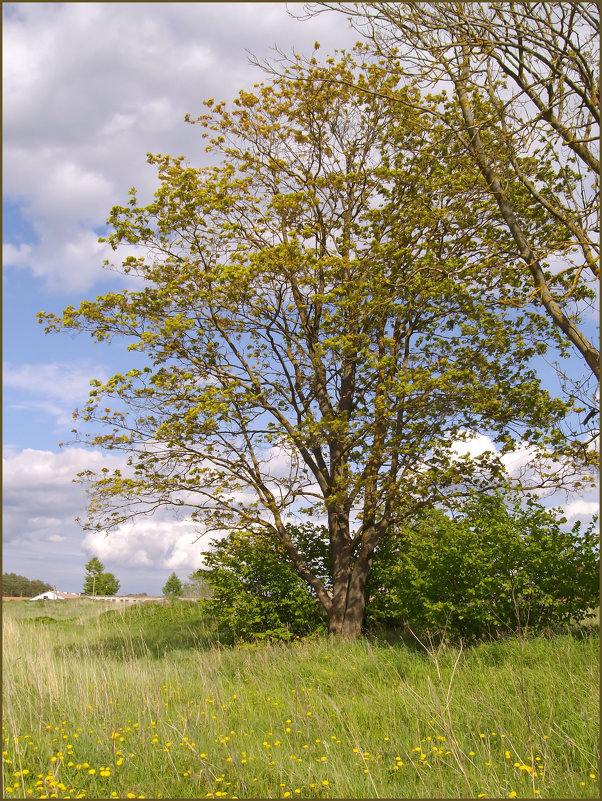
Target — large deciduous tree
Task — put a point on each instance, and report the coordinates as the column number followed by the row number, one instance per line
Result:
column 315, row 339
column 523, row 86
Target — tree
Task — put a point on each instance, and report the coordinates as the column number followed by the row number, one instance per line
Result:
column 315, row 338
column 500, row 565
column 172, row 587
column 524, row 92
column 256, row 591
column 196, row 586
column 97, row 581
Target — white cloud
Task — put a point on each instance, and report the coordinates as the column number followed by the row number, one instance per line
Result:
column 16, row 256
column 581, row 509
column 172, row 544
column 473, row 445
column 90, row 88
column 40, row 499
column 68, row 382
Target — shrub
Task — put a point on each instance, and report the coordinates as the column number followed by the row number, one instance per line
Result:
column 256, row 592
column 500, row 567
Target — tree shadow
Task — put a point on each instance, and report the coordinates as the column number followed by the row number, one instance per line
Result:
column 149, row 632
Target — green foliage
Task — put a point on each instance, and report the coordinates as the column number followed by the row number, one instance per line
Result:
column 15, row 585
column 97, row 581
column 498, row 568
column 256, row 591
column 172, row 587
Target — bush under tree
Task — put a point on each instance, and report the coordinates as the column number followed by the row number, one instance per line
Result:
column 499, row 567
column 256, row 591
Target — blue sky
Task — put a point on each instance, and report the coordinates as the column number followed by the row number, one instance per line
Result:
column 89, row 89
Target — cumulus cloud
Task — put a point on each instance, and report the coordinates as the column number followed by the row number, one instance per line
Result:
column 41, row 539
column 169, row 544
column 40, row 499
column 473, row 445
column 581, row 509
column 90, row 88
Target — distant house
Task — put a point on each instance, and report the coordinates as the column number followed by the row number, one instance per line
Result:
column 52, row 595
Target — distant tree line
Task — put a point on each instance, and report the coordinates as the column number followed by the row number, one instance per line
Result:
column 14, row 585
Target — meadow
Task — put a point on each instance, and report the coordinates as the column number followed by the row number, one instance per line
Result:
column 150, row 702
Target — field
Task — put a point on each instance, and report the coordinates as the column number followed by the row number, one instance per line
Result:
column 146, row 702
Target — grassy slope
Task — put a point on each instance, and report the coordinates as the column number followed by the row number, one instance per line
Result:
column 145, row 702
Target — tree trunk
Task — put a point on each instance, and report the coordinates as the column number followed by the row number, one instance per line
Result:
column 356, row 597
column 340, row 557
column 347, row 615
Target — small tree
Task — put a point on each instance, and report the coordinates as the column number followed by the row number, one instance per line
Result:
column 196, row 586
column 108, row 584
column 97, row 581
column 172, row 587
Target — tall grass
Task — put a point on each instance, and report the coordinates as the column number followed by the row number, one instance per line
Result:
column 146, row 702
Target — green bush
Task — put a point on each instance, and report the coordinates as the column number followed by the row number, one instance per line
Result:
column 256, row 592
column 500, row 567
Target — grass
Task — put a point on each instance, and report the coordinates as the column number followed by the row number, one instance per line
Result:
column 146, row 702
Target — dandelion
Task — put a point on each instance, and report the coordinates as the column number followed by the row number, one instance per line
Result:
column 513, row 794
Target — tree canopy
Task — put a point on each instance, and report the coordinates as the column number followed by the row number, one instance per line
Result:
column 172, row 587
column 520, row 90
column 321, row 325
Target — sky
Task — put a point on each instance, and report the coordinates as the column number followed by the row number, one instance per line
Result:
column 89, row 89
